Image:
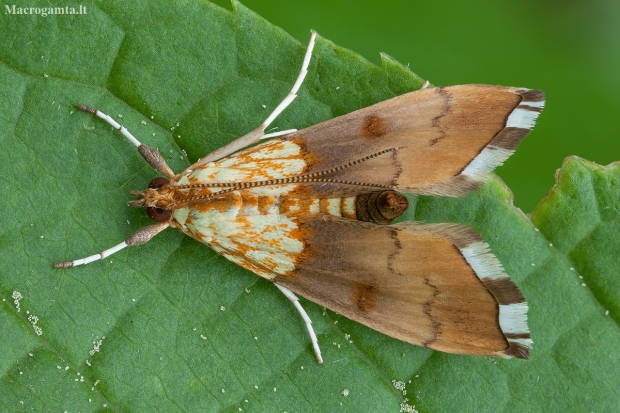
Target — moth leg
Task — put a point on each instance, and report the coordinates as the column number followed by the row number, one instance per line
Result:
column 425, row 85
column 151, row 155
column 259, row 133
column 315, row 342
column 141, row 236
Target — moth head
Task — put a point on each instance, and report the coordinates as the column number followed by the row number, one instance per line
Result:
column 157, row 198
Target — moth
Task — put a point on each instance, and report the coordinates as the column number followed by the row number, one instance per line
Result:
column 312, row 212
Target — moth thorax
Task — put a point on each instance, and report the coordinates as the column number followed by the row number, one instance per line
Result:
column 380, row 207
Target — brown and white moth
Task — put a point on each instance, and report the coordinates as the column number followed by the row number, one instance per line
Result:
column 311, row 211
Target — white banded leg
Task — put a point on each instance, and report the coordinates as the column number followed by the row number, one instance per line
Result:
column 149, row 154
column 259, row 133
column 315, row 342
column 141, row 236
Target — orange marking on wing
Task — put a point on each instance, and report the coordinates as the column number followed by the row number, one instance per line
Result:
column 270, row 263
column 373, row 127
column 363, row 296
column 195, row 181
column 310, row 158
column 182, row 195
column 251, row 230
column 302, row 235
column 241, row 260
column 267, row 161
column 290, row 205
column 200, row 235
column 221, row 203
column 265, row 203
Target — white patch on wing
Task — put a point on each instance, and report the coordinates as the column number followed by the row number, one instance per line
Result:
column 522, row 118
column 490, row 158
column 243, row 225
column 484, row 264
column 271, row 160
column 513, row 318
column 265, row 243
column 180, row 215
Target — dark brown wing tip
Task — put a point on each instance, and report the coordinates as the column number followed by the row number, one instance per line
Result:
column 521, row 120
column 517, row 350
column 532, row 95
column 504, row 290
column 519, row 123
column 489, row 270
column 512, row 305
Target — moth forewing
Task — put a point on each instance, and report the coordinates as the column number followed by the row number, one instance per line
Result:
column 437, row 141
column 312, row 211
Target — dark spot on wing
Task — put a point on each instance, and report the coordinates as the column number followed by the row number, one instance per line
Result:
column 373, row 127
column 363, row 296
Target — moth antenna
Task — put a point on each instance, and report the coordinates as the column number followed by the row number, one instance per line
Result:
column 259, row 133
column 141, row 236
column 151, row 155
column 315, row 342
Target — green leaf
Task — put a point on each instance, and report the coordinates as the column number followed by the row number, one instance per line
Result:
column 581, row 216
column 172, row 326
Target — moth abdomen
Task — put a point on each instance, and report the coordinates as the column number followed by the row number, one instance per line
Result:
column 380, row 207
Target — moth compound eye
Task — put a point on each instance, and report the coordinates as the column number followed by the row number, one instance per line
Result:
column 158, row 214
column 158, row 183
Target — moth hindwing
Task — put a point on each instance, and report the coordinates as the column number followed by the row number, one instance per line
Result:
column 312, row 211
